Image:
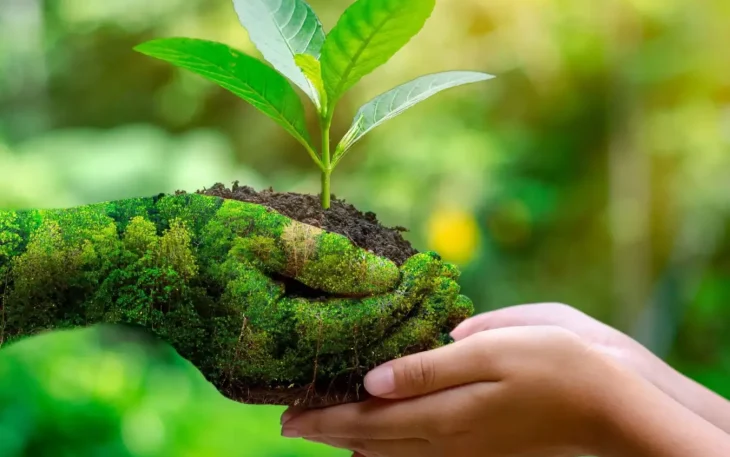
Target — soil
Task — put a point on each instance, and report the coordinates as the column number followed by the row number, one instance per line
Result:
column 363, row 229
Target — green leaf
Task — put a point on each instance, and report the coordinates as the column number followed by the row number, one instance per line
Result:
column 281, row 29
column 395, row 101
column 367, row 35
column 312, row 69
column 245, row 76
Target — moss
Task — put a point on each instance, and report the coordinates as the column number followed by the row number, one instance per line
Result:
column 367, row 274
column 140, row 236
column 194, row 210
column 47, row 274
column 269, row 309
column 10, row 241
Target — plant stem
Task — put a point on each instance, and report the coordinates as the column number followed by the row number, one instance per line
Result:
column 326, row 166
column 326, row 189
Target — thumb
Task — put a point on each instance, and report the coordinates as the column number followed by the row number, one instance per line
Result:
column 463, row 362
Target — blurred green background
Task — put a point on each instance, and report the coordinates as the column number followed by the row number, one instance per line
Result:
column 595, row 171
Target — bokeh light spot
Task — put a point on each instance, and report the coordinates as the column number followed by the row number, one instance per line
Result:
column 111, row 378
column 143, row 432
column 453, row 234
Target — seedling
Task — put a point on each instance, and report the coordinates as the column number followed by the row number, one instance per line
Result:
column 291, row 38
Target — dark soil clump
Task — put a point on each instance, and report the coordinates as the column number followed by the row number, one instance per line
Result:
column 363, row 229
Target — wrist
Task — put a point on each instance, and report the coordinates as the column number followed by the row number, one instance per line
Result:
column 691, row 394
column 606, row 437
column 685, row 391
column 638, row 419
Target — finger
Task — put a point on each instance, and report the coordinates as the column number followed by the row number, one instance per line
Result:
column 514, row 316
column 332, row 263
column 463, row 362
column 381, row 448
column 393, row 319
column 376, row 419
column 291, row 413
column 371, row 419
column 325, row 261
column 429, row 324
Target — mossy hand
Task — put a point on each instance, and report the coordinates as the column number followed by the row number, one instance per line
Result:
column 271, row 310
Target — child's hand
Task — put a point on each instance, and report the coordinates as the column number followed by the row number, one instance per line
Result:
column 612, row 342
column 507, row 392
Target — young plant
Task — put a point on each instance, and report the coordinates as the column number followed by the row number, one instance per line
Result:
column 324, row 66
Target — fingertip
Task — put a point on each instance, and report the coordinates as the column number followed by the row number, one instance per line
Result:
column 462, row 330
column 290, row 413
column 380, row 382
column 456, row 335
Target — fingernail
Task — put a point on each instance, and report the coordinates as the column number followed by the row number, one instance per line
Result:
column 290, row 433
column 380, row 381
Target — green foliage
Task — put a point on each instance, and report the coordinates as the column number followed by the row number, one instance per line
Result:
column 290, row 37
column 281, row 29
column 140, row 236
column 239, row 73
column 126, row 210
column 192, row 209
column 367, row 35
column 10, row 240
column 48, row 272
column 392, row 103
column 312, row 70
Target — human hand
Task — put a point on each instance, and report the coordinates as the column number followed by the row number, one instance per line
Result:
column 609, row 341
column 601, row 337
column 517, row 391
column 269, row 309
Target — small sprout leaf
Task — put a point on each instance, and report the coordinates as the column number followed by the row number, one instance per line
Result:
column 366, row 36
column 239, row 73
column 281, row 29
column 395, row 101
column 312, row 69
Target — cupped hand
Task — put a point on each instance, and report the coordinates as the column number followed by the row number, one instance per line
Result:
column 519, row 391
column 610, row 341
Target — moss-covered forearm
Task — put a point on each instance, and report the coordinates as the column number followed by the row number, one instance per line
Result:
column 269, row 309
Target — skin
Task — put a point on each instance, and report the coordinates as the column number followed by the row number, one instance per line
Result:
column 221, row 281
column 508, row 388
column 613, row 343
